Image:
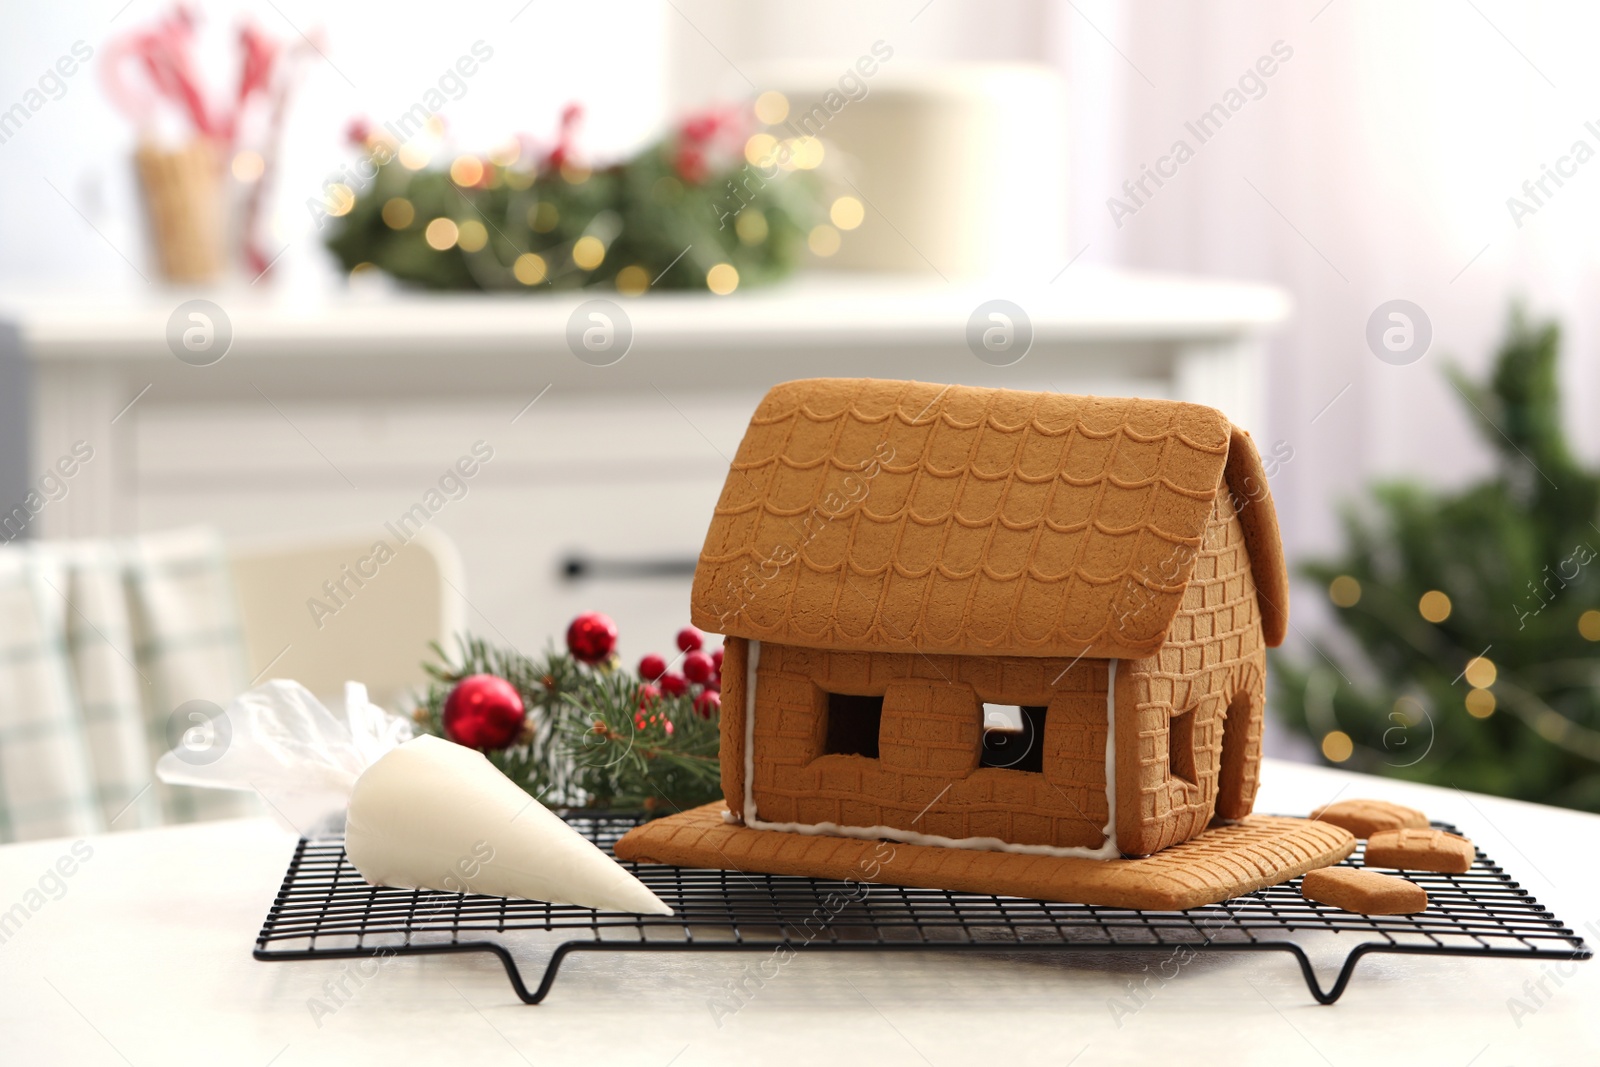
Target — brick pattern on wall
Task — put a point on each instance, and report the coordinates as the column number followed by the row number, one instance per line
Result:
column 927, row 777
column 1215, row 654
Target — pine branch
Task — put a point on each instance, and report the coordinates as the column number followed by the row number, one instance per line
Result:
column 591, row 743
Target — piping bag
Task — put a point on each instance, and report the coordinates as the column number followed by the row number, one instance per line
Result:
column 418, row 812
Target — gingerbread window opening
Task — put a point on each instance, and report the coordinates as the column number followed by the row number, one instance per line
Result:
column 1180, row 747
column 1013, row 737
column 854, row 723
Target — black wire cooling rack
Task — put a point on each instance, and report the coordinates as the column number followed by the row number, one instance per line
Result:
column 325, row 910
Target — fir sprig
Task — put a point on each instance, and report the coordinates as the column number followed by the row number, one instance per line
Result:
column 590, row 743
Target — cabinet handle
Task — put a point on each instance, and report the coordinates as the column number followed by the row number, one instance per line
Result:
column 577, row 568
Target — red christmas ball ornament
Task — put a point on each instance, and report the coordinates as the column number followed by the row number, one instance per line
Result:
column 592, row 637
column 697, row 668
column 714, row 683
column 674, row 684
column 652, row 667
column 483, row 711
column 648, row 694
column 690, row 639
column 716, row 658
column 708, row 703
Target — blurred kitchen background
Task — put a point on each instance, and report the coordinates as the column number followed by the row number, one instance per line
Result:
column 1214, row 201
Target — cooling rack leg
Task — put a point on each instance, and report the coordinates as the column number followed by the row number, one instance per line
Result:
column 1345, row 972
column 545, row 982
column 514, row 973
column 1310, row 975
column 442, row 949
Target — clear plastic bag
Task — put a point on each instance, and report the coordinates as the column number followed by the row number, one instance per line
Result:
column 278, row 741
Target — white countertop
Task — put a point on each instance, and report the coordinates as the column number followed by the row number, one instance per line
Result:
column 813, row 311
column 145, row 959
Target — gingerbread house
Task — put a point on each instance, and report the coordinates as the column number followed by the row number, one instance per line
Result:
column 898, row 566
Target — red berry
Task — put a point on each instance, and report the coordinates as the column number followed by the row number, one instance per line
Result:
column 716, row 658
column 591, row 637
column 714, row 683
column 652, row 667
column 697, row 667
column 674, row 685
column 690, row 639
column 648, row 694
column 708, row 703
column 483, row 711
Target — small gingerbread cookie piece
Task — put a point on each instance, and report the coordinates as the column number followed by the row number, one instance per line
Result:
column 1367, row 817
column 1420, row 850
column 1363, row 892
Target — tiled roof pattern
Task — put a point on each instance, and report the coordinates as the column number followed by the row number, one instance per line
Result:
column 907, row 516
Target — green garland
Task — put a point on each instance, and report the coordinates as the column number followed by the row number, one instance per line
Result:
column 589, row 745
column 1497, row 688
column 657, row 221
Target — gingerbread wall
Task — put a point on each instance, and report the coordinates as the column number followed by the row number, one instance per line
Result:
column 1215, row 656
column 926, row 778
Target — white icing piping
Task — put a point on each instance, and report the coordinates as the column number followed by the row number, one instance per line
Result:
column 1108, row 849
column 752, row 660
column 1105, row 851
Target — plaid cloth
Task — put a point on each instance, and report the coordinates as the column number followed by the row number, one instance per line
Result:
column 100, row 643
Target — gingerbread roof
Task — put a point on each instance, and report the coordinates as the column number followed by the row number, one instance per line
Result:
column 905, row 516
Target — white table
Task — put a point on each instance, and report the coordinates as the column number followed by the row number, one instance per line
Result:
column 146, row 959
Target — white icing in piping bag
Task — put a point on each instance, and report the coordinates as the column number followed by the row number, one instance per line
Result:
column 434, row 815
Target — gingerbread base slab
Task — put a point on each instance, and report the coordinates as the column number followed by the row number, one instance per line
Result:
column 1223, row 862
